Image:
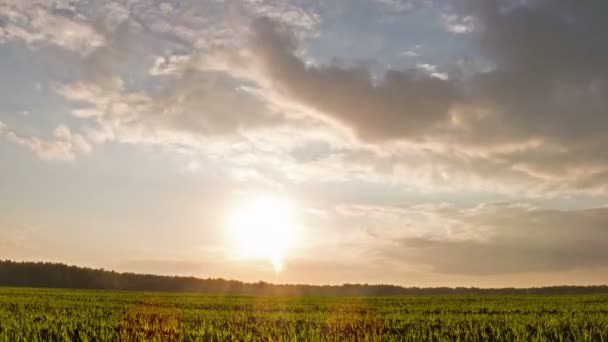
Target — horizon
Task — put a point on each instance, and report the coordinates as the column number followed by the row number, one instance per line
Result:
column 420, row 143
column 79, row 267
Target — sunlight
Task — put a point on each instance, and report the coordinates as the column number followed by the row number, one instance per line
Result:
column 263, row 227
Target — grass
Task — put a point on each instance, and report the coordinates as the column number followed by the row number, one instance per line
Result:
column 74, row 315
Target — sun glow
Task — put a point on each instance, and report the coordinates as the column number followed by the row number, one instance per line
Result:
column 263, row 228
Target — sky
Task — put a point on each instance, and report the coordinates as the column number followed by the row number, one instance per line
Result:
column 410, row 142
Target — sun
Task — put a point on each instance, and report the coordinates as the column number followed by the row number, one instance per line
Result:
column 263, row 227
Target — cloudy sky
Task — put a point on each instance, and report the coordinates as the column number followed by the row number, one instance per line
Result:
column 417, row 142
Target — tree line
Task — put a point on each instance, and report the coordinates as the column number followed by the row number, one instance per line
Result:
column 58, row 275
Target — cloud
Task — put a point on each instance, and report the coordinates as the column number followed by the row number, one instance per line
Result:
column 547, row 65
column 185, row 104
column 187, row 101
column 169, row 65
column 549, row 83
column 432, row 71
column 505, row 238
column 507, row 94
column 531, row 118
column 43, row 24
column 64, row 145
column 403, row 104
column 296, row 15
column 456, row 24
column 537, row 107
column 195, row 103
column 404, row 6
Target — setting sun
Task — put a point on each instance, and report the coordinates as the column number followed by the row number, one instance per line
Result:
column 263, row 228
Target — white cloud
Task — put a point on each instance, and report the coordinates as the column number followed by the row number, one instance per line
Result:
column 432, row 71
column 169, row 65
column 64, row 145
column 458, row 24
column 410, row 53
column 37, row 24
column 286, row 12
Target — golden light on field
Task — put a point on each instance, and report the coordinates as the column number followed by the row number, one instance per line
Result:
column 263, row 227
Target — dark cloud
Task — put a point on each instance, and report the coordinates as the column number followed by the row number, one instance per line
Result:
column 541, row 110
column 549, row 83
column 551, row 67
column 402, row 104
column 513, row 239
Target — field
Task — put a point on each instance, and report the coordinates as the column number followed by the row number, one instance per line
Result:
column 64, row 315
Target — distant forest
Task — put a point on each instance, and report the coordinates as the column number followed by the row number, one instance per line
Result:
column 57, row 275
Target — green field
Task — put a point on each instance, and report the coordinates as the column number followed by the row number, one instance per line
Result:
column 64, row 315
